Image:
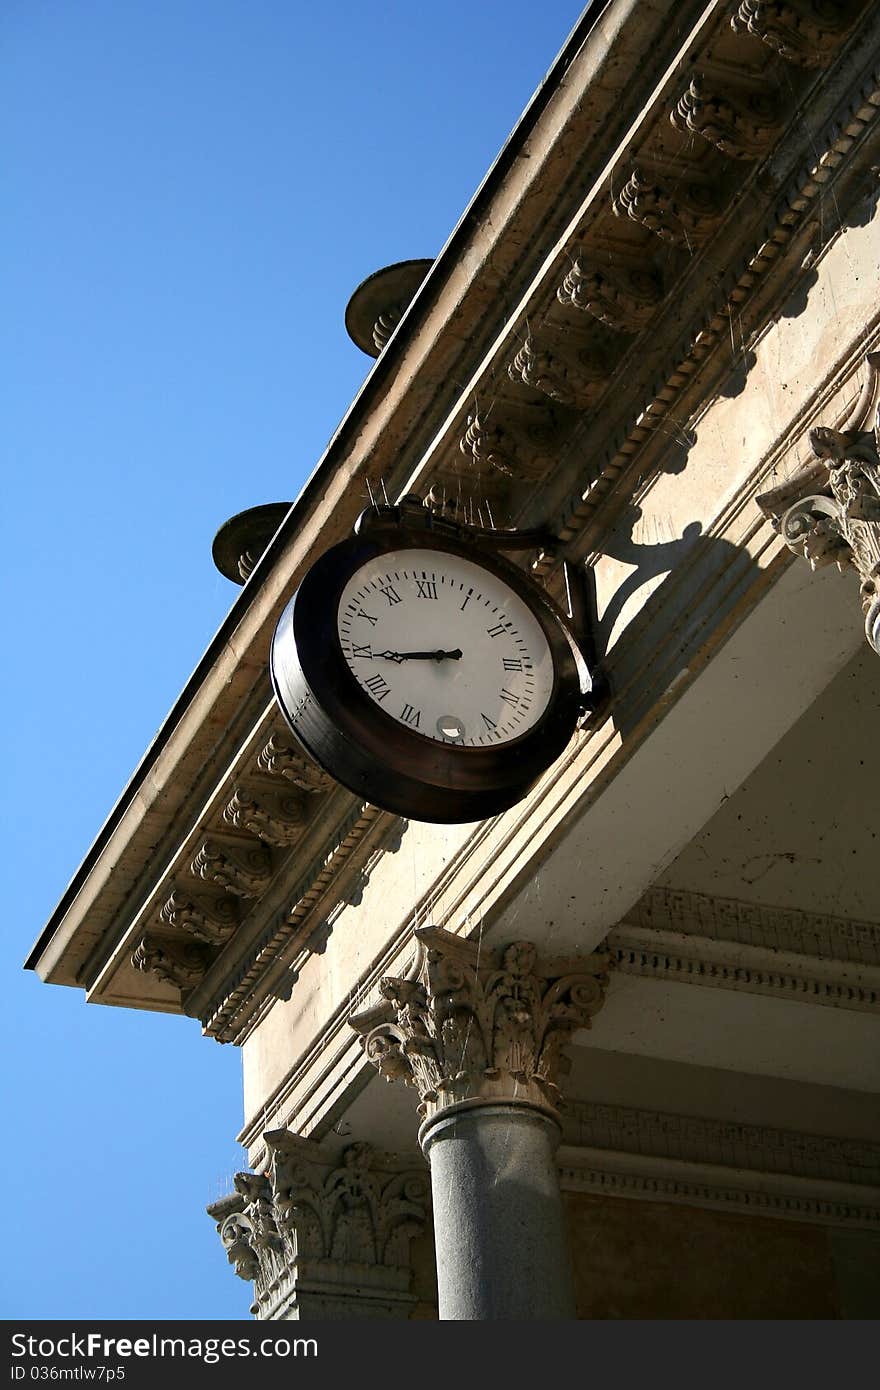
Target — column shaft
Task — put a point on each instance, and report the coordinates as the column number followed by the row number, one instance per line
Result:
column 499, row 1234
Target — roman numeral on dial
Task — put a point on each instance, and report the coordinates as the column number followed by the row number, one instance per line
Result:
column 378, row 686
column 411, row 716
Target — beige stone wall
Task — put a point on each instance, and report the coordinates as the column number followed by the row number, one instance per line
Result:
column 656, row 1260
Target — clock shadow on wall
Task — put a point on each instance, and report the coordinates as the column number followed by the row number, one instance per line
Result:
column 640, row 656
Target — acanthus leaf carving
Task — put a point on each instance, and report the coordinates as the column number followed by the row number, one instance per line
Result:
column 488, row 1025
column 829, row 511
column 805, row 32
column 743, row 127
column 683, row 217
column 179, row 963
column 624, row 299
column 241, row 868
column 236, row 1236
column 279, row 758
column 211, row 919
column 273, row 817
column 348, row 1220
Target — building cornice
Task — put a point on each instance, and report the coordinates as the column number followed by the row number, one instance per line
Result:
column 626, row 414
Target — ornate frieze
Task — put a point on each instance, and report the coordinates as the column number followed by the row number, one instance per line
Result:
column 683, row 217
column 571, row 379
column 730, row 1143
column 229, row 1014
column 279, row 758
column 179, row 963
column 806, row 32
column 753, row 924
column 659, row 1180
column 829, row 511
column 324, row 1237
column 743, row 127
column 237, row 866
column 625, row 299
column 473, row 1023
column 211, row 919
column 271, row 816
column 751, row 970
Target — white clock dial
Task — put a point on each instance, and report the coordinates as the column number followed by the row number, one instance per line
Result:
column 445, row 647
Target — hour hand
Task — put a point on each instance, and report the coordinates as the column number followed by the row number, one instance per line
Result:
column 421, row 656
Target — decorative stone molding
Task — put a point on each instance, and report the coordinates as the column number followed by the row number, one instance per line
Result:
column 279, row 758
column 626, row 299
column 207, row 919
column 752, row 924
column 179, row 963
column 571, row 380
column 720, row 1189
column 805, row 32
column 475, row 1024
column 743, row 127
column 751, row 970
column 700, row 1139
column 244, row 869
column 683, row 218
column 228, row 1016
column 276, row 818
column 835, row 148
column 829, row 511
column 322, row 1237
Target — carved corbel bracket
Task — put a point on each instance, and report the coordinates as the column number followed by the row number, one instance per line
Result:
column 279, row 758
column 684, row 217
column 271, row 816
column 829, row 511
column 626, row 299
column 805, row 32
column 179, row 963
column 743, row 127
column 211, row 919
column 516, row 451
column 241, row 868
column 573, row 379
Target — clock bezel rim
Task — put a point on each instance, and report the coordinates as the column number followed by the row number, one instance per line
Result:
column 344, row 730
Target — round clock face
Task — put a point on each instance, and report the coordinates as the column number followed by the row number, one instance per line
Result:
column 432, row 679
column 445, row 647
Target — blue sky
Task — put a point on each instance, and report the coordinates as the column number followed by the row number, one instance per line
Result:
column 193, row 190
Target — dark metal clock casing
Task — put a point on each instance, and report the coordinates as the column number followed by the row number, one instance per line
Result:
column 358, row 734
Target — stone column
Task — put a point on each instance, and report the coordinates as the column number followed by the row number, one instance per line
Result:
column 320, row 1238
column 479, row 1033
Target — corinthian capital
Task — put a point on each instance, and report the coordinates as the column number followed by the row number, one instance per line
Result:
column 474, row 1024
column 829, row 510
column 324, row 1236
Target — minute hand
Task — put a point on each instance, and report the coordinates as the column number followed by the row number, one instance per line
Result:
column 421, row 656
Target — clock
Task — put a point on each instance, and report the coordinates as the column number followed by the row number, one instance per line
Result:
column 425, row 672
